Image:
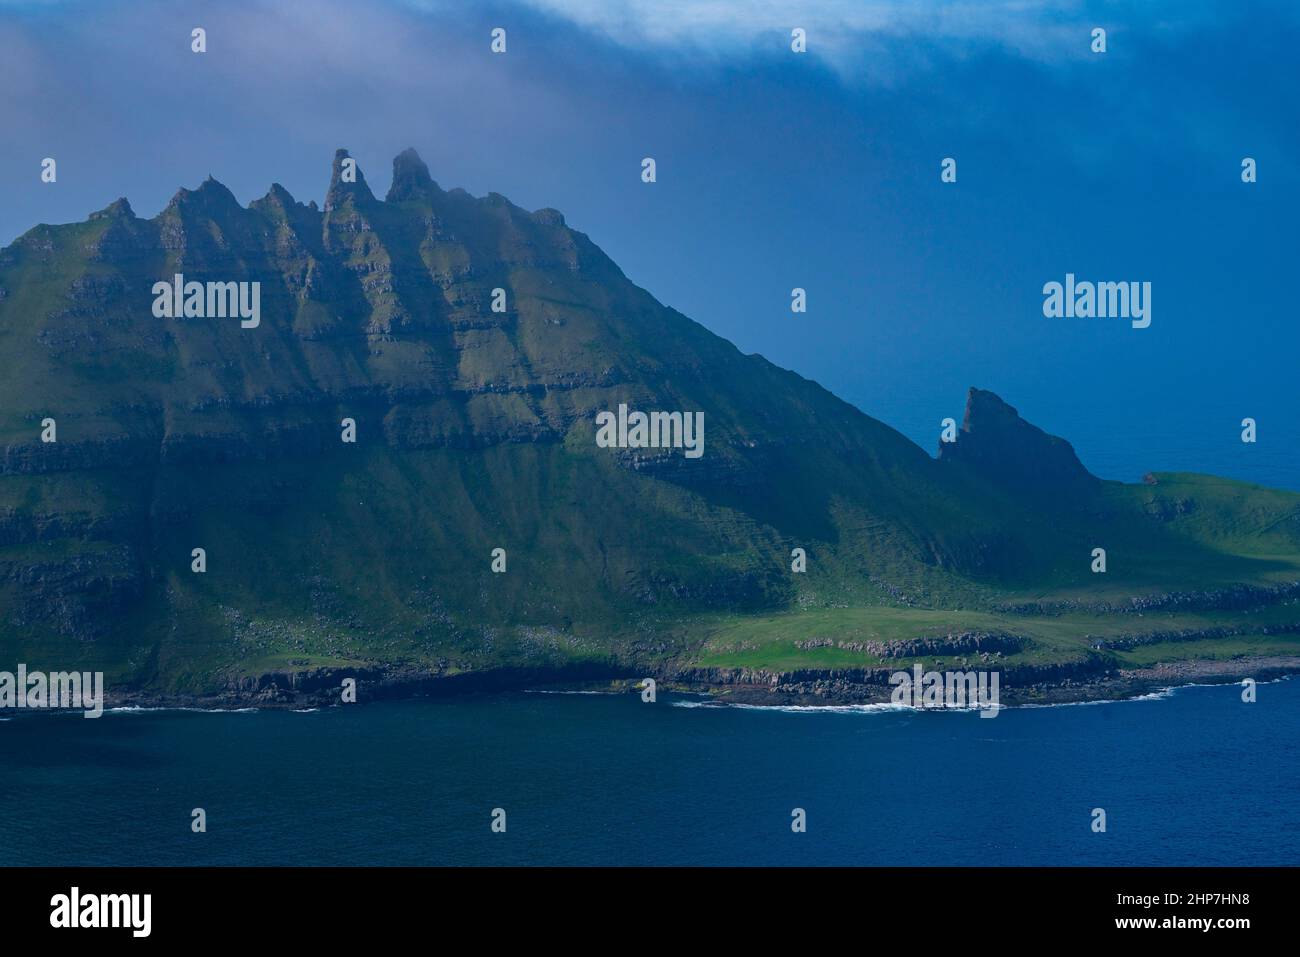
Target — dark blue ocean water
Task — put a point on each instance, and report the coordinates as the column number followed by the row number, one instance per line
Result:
column 1197, row 777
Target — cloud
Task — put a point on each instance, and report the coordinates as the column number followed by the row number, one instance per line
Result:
column 111, row 89
column 847, row 33
column 884, row 41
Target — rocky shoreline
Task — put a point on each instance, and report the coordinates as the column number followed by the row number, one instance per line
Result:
column 1091, row 679
column 1110, row 685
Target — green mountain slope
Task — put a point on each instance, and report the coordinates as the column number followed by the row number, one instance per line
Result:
column 475, row 431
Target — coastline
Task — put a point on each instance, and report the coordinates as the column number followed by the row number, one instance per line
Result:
column 320, row 688
column 1115, row 685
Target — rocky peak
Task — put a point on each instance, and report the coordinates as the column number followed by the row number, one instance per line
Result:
column 210, row 199
column 995, row 441
column 342, row 191
column 202, row 223
column 411, row 179
column 279, row 197
column 117, row 209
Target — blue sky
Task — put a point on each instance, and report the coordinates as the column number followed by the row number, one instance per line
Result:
column 775, row 170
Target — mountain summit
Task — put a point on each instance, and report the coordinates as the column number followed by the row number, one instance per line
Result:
column 997, row 442
column 397, row 463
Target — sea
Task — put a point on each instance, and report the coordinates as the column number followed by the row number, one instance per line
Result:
column 1190, row 776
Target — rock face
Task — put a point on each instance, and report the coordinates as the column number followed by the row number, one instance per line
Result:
column 965, row 643
column 996, row 442
column 388, row 307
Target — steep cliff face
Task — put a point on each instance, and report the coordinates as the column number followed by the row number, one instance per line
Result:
column 385, row 304
column 472, row 345
column 998, row 444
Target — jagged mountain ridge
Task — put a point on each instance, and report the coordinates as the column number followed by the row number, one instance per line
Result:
column 475, row 430
column 383, row 301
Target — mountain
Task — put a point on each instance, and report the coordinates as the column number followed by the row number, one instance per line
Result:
column 476, row 429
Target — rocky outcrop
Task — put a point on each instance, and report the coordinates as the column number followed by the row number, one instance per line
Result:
column 966, row 643
column 868, row 685
column 998, row 444
column 1124, row 642
column 1239, row 597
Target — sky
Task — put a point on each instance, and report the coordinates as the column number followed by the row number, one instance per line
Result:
column 775, row 170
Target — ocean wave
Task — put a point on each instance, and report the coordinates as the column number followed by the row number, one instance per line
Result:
column 1160, row 694
column 883, row 707
column 553, row 691
column 805, row 708
column 140, row 709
